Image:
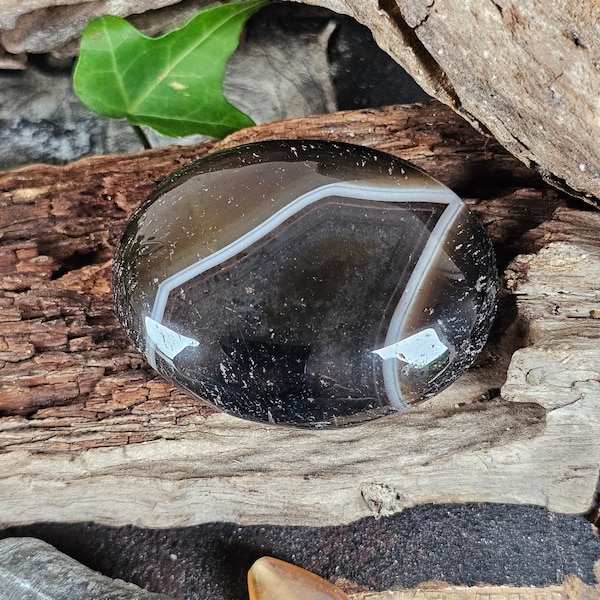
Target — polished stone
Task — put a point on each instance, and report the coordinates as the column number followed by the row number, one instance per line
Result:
column 273, row 579
column 306, row 283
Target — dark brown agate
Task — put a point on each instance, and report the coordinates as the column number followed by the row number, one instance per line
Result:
column 306, row 283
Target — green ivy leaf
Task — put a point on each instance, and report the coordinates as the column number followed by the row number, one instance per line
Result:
column 172, row 83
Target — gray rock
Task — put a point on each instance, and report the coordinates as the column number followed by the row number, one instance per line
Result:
column 41, row 120
column 33, row 570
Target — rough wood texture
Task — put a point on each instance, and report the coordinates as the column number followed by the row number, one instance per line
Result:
column 39, row 26
column 572, row 589
column 88, row 432
column 527, row 72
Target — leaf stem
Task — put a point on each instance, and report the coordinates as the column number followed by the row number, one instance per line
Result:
column 139, row 132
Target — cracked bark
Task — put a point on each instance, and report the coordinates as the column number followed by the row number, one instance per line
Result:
column 435, row 76
column 496, row 64
column 98, row 436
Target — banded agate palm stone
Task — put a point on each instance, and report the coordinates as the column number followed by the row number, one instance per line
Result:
column 306, row 283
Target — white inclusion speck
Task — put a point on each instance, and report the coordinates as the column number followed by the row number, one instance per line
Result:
column 294, row 151
column 458, row 247
column 481, row 283
column 582, row 167
column 351, row 134
column 177, row 86
column 249, row 290
column 441, row 51
column 173, row 557
column 486, row 54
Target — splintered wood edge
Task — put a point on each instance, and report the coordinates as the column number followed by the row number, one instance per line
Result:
column 572, row 589
column 538, row 444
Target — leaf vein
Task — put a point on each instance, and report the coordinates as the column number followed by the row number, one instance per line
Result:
column 161, row 77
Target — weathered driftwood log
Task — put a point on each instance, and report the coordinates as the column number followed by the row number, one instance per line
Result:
column 89, row 432
column 526, row 72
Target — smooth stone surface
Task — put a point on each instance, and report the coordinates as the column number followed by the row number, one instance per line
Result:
column 31, row 569
column 306, row 282
column 273, row 579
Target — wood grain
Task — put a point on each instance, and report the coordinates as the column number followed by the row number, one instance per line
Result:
column 572, row 589
column 89, row 432
column 526, row 73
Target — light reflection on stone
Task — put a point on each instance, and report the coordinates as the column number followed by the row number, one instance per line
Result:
column 306, row 283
